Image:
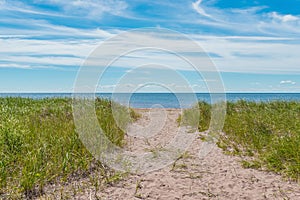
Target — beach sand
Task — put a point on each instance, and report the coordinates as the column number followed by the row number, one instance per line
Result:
column 215, row 176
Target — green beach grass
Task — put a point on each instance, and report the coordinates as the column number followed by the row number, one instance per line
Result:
column 265, row 134
column 39, row 145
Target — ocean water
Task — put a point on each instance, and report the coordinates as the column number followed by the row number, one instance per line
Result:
column 168, row 100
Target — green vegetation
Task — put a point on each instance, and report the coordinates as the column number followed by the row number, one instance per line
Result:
column 267, row 132
column 39, row 145
column 191, row 116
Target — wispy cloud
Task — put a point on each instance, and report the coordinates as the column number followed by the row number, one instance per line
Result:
column 61, row 34
column 12, row 65
column 87, row 8
column 251, row 20
column 25, row 66
column 197, row 6
column 232, row 54
column 90, row 8
column 288, row 82
column 19, row 6
column 42, row 28
column 283, row 18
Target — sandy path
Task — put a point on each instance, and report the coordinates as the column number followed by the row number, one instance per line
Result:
column 217, row 176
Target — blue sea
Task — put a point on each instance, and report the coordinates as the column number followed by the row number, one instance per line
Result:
column 168, row 100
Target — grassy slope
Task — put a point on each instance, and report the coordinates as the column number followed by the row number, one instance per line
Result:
column 38, row 143
column 267, row 132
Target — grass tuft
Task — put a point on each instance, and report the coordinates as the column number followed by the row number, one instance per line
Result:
column 267, row 131
column 39, row 145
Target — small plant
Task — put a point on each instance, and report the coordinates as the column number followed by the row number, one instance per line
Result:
column 184, row 155
column 137, row 188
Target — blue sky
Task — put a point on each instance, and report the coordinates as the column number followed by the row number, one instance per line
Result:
column 254, row 44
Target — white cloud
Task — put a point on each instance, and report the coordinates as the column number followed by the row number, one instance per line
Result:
column 250, row 20
column 265, row 54
column 23, row 53
column 18, row 6
column 104, row 87
column 288, row 82
column 12, row 65
column 237, row 54
column 41, row 28
column 199, row 9
column 91, row 8
column 24, row 66
column 256, row 56
column 78, row 8
column 283, row 18
column 2, row 2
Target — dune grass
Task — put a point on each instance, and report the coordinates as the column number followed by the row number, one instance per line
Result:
column 266, row 132
column 39, row 145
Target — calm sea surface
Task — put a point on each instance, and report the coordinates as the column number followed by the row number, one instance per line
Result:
column 168, row 100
